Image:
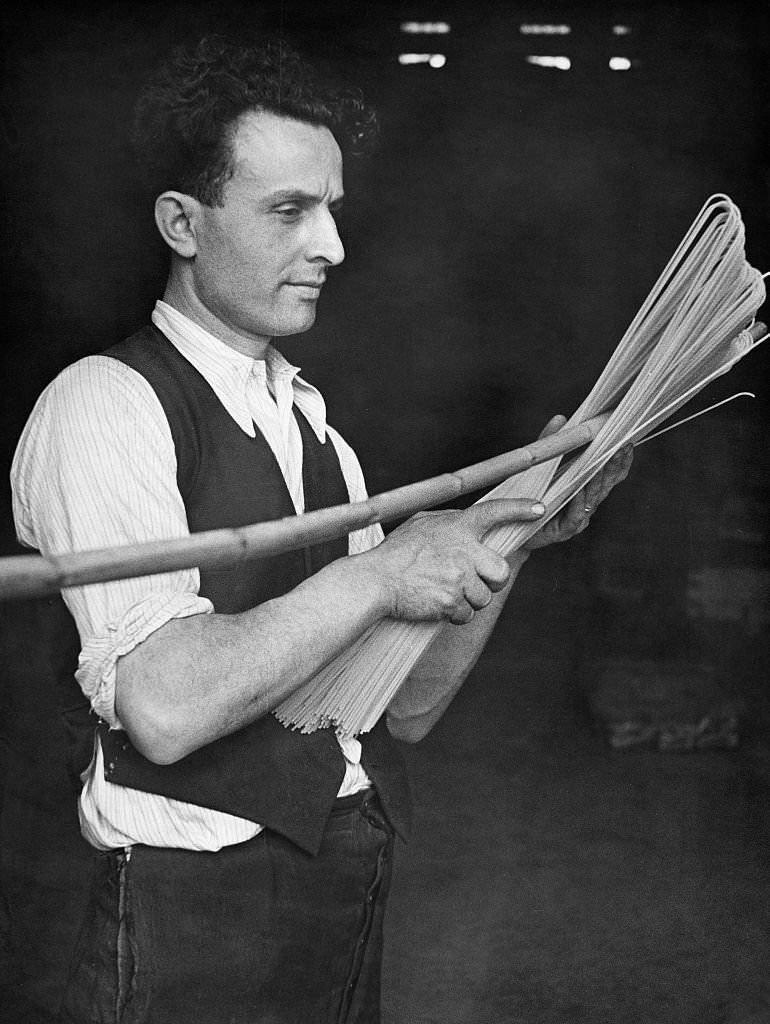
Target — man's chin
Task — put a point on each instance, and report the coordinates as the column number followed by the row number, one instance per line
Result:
column 296, row 325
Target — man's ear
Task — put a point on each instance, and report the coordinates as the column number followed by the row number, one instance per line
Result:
column 176, row 215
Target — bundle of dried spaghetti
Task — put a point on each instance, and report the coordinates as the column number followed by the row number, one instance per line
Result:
column 692, row 327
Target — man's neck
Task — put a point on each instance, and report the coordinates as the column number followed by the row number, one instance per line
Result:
column 189, row 305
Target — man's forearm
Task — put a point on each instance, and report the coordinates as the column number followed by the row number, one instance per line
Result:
column 435, row 680
column 198, row 678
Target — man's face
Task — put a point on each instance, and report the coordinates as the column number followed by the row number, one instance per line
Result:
column 262, row 257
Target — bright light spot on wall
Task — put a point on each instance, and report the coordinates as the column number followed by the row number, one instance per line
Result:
column 620, row 64
column 434, row 60
column 562, row 63
column 545, row 30
column 621, row 30
column 436, row 28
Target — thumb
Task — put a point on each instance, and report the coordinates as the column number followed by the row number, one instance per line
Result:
column 487, row 514
column 553, row 426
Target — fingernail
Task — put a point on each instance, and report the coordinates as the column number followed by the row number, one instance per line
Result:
column 538, row 509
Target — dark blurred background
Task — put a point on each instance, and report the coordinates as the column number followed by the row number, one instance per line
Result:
column 498, row 244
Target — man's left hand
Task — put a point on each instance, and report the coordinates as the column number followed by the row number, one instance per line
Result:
column 576, row 515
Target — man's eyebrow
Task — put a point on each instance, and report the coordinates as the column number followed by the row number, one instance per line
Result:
column 295, row 195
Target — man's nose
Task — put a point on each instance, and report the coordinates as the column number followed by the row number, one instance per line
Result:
column 326, row 243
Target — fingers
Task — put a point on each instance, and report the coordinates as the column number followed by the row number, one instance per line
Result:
column 591, row 496
column 619, row 465
column 576, row 515
column 553, row 426
column 461, row 615
column 464, row 610
column 488, row 514
column 433, row 567
column 477, row 594
column 492, row 570
column 616, row 470
column 437, row 566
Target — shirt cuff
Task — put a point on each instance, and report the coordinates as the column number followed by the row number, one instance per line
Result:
column 99, row 656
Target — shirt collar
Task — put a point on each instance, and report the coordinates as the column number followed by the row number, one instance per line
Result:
column 227, row 370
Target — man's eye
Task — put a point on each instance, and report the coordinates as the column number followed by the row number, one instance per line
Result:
column 289, row 212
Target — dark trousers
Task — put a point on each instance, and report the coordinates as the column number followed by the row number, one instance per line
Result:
column 259, row 933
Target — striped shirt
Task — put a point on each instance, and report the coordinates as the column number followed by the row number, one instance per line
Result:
column 96, row 467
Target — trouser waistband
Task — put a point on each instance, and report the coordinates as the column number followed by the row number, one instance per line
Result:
column 353, row 800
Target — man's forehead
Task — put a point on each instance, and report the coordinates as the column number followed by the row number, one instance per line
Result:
column 266, row 146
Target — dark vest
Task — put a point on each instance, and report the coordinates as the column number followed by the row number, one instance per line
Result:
column 264, row 772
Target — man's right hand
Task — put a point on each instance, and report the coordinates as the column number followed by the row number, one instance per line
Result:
column 436, row 567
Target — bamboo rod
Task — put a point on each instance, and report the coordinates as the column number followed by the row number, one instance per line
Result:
column 26, row 576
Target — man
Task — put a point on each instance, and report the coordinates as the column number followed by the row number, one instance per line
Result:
column 242, row 868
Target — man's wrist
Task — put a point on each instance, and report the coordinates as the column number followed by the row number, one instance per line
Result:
column 363, row 576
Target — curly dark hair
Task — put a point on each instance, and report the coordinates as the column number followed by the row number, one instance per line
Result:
column 187, row 115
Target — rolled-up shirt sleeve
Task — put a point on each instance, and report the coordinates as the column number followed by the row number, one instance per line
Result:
column 96, row 468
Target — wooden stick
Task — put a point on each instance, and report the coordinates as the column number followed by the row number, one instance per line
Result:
column 24, row 576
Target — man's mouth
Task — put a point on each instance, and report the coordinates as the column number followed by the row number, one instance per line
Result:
column 307, row 289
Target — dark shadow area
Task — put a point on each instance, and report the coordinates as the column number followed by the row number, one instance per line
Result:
column 552, row 879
